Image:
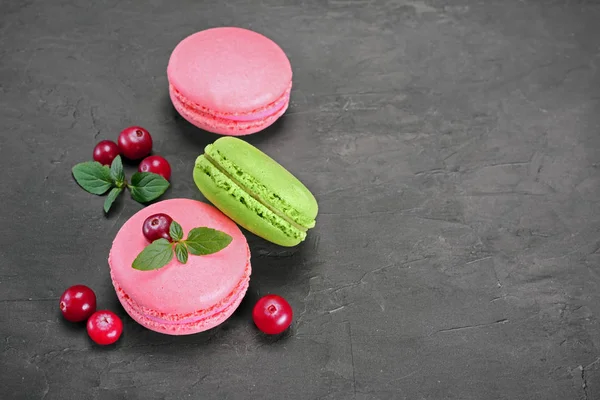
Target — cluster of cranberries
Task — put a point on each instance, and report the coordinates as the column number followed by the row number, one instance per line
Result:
column 134, row 143
column 272, row 314
column 78, row 303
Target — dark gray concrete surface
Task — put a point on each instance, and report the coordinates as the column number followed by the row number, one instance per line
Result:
column 454, row 148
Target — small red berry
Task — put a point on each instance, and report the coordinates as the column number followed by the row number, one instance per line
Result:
column 105, row 152
column 77, row 303
column 135, row 142
column 272, row 314
column 104, row 327
column 156, row 227
column 157, row 165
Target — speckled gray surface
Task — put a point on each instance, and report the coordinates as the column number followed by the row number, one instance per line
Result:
column 454, row 149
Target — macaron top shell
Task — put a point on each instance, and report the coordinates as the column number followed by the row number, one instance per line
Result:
column 201, row 283
column 230, row 70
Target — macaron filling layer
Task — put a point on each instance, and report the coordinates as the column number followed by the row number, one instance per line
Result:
column 258, row 190
column 231, row 187
column 257, row 115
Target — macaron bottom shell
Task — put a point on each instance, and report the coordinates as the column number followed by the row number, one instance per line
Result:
column 238, row 205
column 213, row 123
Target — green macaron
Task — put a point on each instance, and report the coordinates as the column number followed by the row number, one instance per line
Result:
column 255, row 191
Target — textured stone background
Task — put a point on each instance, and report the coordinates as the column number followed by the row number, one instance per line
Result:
column 454, row 149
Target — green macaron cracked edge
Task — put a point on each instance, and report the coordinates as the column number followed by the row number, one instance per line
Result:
column 255, row 191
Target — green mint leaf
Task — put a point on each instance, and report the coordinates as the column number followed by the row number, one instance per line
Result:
column 146, row 186
column 154, row 256
column 176, row 231
column 203, row 241
column 181, row 252
column 110, row 199
column 116, row 170
column 93, row 177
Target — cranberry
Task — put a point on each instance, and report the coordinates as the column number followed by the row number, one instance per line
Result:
column 157, row 165
column 272, row 314
column 77, row 303
column 104, row 327
column 135, row 142
column 105, row 152
column 156, row 227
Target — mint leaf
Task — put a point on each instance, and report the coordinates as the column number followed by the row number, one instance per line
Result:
column 176, row 232
column 110, row 199
column 146, row 186
column 181, row 252
column 116, row 171
column 203, row 241
column 154, row 256
column 93, row 177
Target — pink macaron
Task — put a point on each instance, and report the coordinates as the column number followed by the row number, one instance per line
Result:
column 230, row 81
column 181, row 299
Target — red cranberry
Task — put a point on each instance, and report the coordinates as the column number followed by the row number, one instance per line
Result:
column 157, row 165
column 105, row 152
column 156, row 227
column 272, row 314
column 135, row 142
column 104, row 327
column 77, row 303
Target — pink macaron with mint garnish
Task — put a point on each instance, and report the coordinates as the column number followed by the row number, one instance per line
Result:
column 181, row 298
column 230, row 81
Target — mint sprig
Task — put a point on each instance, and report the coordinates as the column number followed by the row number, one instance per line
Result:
column 200, row 241
column 98, row 179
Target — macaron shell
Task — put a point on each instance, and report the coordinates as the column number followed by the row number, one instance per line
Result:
column 229, row 70
column 179, row 288
column 241, row 213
